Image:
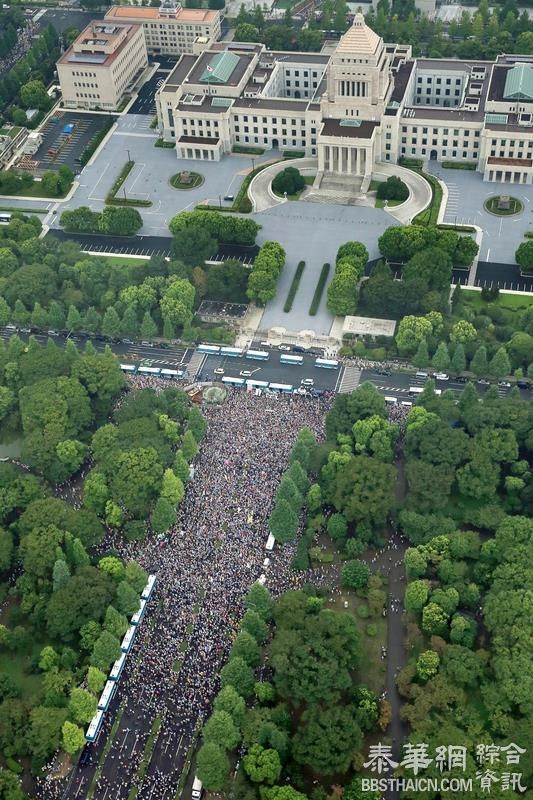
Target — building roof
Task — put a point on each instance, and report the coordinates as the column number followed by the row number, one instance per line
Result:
column 519, row 83
column 220, row 68
column 180, row 72
column 359, row 38
column 141, row 14
column 372, row 326
column 99, row 44
column 334, row 127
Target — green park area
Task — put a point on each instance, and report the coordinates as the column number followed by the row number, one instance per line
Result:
column 503, row 206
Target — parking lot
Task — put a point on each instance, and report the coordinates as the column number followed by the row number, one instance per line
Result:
column 145, row 101
column 467, row 193
column 60, row 147
column 272, row 371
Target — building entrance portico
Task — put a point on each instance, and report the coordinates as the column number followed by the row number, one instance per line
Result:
column 342, row 160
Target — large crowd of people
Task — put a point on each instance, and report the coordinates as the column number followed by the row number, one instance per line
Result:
column 23, row 44
column 204, row 565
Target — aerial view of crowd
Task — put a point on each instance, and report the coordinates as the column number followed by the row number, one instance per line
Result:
column 204, row 567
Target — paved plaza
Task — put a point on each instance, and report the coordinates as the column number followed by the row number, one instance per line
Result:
column 312, row 232
column 466, row 194
column 134, row 139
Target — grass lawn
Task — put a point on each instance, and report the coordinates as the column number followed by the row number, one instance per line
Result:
column 194, row 180
column 511, row 302
column 381, row 203
column 491, row 205
column 124, row 261
column 309, row 180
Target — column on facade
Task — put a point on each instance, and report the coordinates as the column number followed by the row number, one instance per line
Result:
column 350, row 151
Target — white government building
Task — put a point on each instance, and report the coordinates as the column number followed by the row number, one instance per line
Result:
column 368, row 102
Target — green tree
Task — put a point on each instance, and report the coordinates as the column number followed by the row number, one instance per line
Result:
column 479, row 365
column 111, row 325
column 82, row 705
column 106, row 650
column 458, row 361
column 221, row 730
column 172, row 487
column 427, row 664
column 421, row 357
column 259, row 600
column 254, row 624
column 96, row 680
column 129, row 326
column 163, row 516
column 73, row 737
column 524, row 256
column 262, row 765
column 355, row 574
column 246, row 647
column 416, row 596
column 283, row 522
column 230, row 701
column 326, row 739
column 434, row 620
column 463, row 332
column 127, row 599
column 441, row 358
column 148, row 326
column 194, row 245
column 119, row 221
column 189, row 447
column 238, row 674
column 244, row 32
column 115, row 623
column 60, row 574
column 500, row 365
column 212, row 767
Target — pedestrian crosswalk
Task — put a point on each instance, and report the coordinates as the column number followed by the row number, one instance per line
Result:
column 350, row 379
column 195, row 364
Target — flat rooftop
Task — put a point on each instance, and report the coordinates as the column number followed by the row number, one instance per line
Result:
column 99, row 44
column 141, row 14
column 371, row 326
column 333, row 127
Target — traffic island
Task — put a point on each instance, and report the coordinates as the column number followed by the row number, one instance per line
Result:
column 503, row 205
column 186, row 180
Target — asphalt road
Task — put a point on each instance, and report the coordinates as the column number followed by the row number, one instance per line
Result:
column 398, row 383
column 272, row 370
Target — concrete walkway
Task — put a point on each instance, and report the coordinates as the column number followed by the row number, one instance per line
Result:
column 260, row 190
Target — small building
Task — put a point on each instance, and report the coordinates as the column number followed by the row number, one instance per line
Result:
column 368, row 326
column 102, row 65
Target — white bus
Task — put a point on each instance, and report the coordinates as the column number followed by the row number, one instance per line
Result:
column 148, row 589
column 139, row 614
column 326, row 363
column 127, row 641
column 391, row 400
column 285, row 388
column 271, row 541
column 172, row 373
column 251, row 384
column 233, row 381
column 258, row 355
column 210, row 349
column 149, row 370
column 285, row 358
column 233, row 352
column 130, row 368
column 5, row 217
column 117, row 668
column 94, row 727
column 415, row 390
column 107, row 695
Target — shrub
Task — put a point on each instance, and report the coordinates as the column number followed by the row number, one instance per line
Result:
column 393, row 189
column 288, row 180
column 371, row 629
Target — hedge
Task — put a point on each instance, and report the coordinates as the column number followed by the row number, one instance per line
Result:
column 319, row 291
column 113, row 200
column 96, row 141
column 294, row 286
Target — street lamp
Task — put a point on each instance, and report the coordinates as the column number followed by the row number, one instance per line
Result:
column 253, row 164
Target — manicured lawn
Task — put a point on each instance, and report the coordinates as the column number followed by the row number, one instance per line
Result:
column 125, row 261
column 511, row 302
column 36, row 191
column 194, row 179
column 390, row 203
column 492, row 206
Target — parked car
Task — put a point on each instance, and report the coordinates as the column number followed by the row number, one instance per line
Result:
column 461, row 379
column 382, row 372
column 523, row 383
column 441, row 376
column 307, row 382
column 147, row 344
column 504, row 384
column 483, row 382
column 298, row 349
column 218, row 371
column 284, row 347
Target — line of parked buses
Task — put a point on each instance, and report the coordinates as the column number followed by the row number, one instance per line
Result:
column 116, row 670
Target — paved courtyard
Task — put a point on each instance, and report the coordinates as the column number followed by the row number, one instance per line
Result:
column 466, row 194
column 149, row 179
column 312, row 232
